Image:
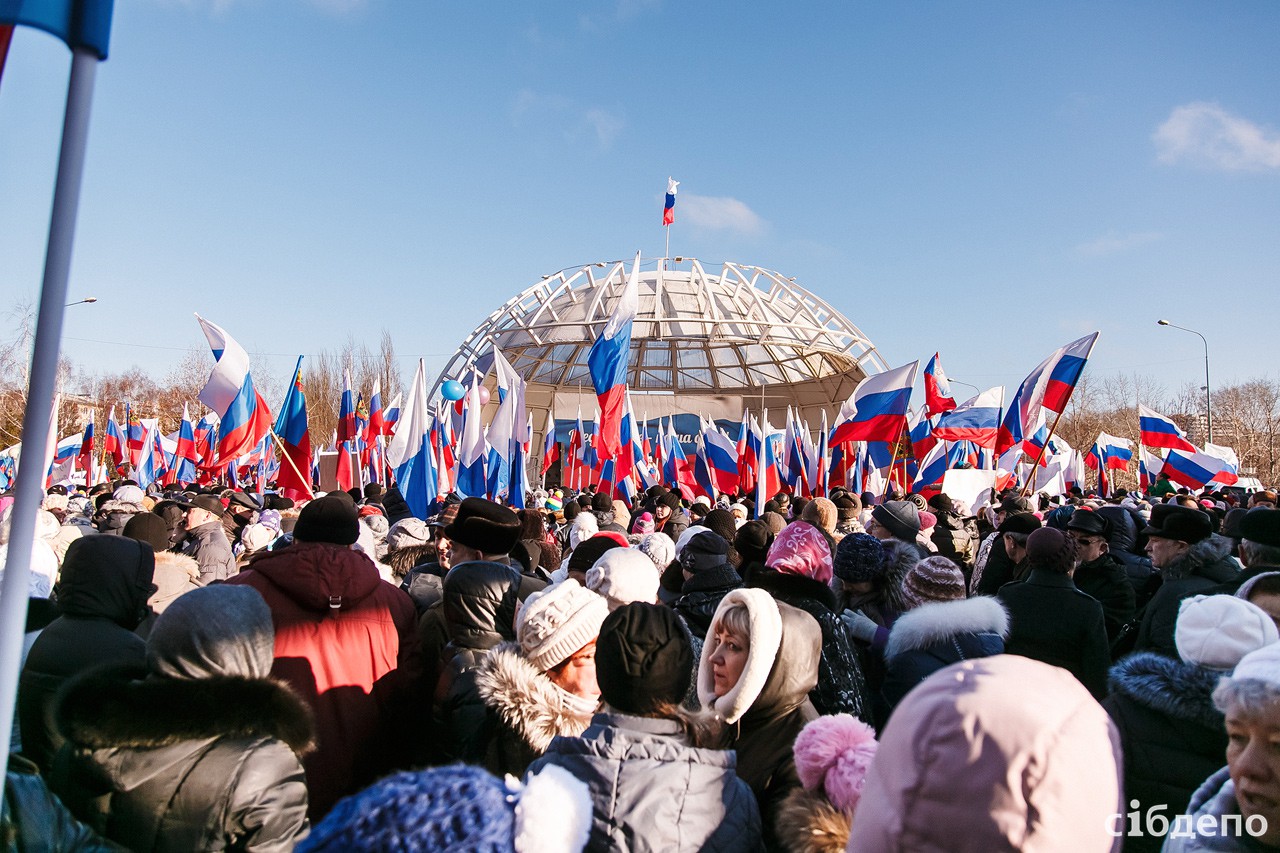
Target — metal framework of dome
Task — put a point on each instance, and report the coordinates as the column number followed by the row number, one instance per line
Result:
column 710, row 343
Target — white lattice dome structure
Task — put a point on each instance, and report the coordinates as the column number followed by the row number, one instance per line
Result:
column 702, row 342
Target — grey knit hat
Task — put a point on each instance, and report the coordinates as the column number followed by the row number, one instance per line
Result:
column 901, row 518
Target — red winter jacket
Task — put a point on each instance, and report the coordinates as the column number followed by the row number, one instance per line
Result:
column 346, row 642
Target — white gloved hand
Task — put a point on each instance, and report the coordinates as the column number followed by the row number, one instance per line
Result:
column 862, row 627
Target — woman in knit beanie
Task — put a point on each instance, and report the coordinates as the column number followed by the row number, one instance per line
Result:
column 798, row 573
column 941, row 627
column 868, row 586
column 544, row 684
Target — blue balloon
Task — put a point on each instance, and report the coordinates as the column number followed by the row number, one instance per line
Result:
column 452, row 390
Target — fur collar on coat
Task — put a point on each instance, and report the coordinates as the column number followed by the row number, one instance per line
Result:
column 527, row 701
column 939, row 621
column 1174, row 688
column 121, row 707
column 1202, row 558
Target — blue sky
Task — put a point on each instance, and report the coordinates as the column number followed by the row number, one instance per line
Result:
column 988, row 180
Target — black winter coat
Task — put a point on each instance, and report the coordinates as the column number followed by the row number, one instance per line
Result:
column 1173, row 736
column 700, row 596
column 842, row 688
column 1203, row 566
column 934, row 636
column 956, row 539
column 479, row 609
column 162, row 764
column 1106, row 580
column 1053, row 622
column 103, row 592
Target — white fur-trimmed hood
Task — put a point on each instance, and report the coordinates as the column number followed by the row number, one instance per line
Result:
column 766, row 636
column 526, row 700
column 940, row 620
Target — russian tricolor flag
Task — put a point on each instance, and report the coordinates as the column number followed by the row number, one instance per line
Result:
column 608, row 360
column 184, row 457
column 410, row 453
column 977, row 420
column 347, row 432
column 113, row 441
column 1066, row 371
column 937, row 391
column 550, row 448
column 722, row 459
column 877, row 410
column 1156, row 430
column 471, row 479
column 1197, row 468
column 1049, row 386
column 932, row 468
column 669, row 205
column 243, row 415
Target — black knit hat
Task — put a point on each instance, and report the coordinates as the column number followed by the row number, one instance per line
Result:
column 901, row 518
column 704, row 551
column 859, row 558
column 752, row 542
column 721, row 521
column 942, row 503
column 644, row 659
column 328, row 519
column 672, row 500
column 590, row 550
column 600, row 502
column 489, row 527
column 571, row 510
column 150, row 528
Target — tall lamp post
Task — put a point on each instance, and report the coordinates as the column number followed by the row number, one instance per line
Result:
column 1208, row 411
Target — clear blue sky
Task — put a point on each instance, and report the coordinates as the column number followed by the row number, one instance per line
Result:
column 986, row 179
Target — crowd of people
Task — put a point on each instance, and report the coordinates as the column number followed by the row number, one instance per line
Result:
column 208, row 669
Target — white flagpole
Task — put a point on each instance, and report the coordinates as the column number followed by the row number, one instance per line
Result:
column 29, row 489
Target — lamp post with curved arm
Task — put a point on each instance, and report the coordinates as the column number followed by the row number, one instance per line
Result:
column 1208, row 411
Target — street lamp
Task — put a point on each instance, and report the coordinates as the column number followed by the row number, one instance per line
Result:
column 1208, row 411
column 83, row 301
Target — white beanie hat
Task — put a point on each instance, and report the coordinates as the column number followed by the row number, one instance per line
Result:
column 1261, row 665
column 559, row 620
column 624, row 575
column 1216, row 631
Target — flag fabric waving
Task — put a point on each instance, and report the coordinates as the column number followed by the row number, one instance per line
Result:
column 85, row 455
column 1156, row 430
column 1049, row 386
column 410, row 453
column 977, row 420
column 937, row 390
column 1195, row 469
column 243, row 415
column 669, row 203
column 113, row 442
column 877, row 410
column 292, row 430
column 608, row 361
column 471, row 479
